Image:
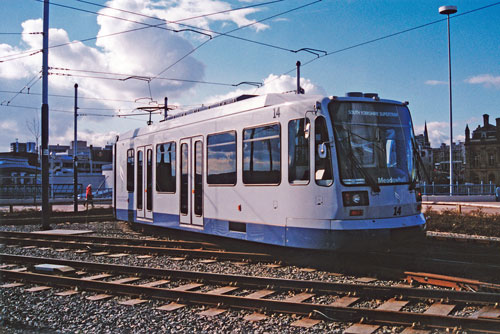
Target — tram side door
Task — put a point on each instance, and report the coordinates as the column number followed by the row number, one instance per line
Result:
column 144, row 179
column 191, row 181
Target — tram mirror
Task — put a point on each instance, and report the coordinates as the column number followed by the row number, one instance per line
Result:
column 307, row 129
column 322, row 150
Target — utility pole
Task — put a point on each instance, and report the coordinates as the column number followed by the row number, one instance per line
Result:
column 75, row 158
column 45, row 119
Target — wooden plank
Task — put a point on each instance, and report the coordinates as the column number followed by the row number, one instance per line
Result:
column 260, row 294
column 125, row 280
column 187, row 287
column 155, row 283
column 170, row 307
column 114, row 256
column 299, row 298
column 66, row 293
column 392, row 305
column 222, row 290
column 132, row 302
column 361, row 329
column 409, row 330
column 38, row 288
column 365, row 279
column 344, row 301
column 487, row 312
column 255, row 317
column 11, row 285
column 96, row 277
column 99, row 297
column 440, row 309
column 212, row 312
column 206, row 261
column 305, row 323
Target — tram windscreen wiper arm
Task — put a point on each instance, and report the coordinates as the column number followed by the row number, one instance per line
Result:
column 368, row 178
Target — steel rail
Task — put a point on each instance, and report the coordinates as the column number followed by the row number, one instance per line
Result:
column 335, row 313
column 373, row 291
column 110, row 240
column 196, row 253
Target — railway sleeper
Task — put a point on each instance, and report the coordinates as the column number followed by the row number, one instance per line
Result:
column 379, row 316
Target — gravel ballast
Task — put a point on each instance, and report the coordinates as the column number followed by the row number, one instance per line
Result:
column 43, row 312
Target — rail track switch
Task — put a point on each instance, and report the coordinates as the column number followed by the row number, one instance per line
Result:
column 54, row 268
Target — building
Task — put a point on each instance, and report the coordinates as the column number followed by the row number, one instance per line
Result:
column 483, row 152
column 21, row 166
column 426, row 154
column 441, row 171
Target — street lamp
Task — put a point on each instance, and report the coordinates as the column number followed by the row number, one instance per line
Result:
column 447, row 10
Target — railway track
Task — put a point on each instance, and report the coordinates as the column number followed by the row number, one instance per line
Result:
column 474, row 264
column 128, row 245
column 364, row 305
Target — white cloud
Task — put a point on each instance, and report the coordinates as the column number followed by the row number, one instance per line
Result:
column 439, row 132
column 435, row 82
column 274, row 84
column 487, row 80
column 146, row 52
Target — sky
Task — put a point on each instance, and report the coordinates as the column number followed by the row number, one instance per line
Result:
column 128, row 55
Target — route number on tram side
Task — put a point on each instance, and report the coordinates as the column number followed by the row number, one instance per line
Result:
column 276, row 112
column 397, row 211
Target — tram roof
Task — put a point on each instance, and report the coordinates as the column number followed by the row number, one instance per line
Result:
column 226, row 107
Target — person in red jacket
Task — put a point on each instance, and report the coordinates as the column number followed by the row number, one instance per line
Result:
column 89, row 197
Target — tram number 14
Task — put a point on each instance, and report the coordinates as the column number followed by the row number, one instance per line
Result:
column 397, row 211
column 276, row 112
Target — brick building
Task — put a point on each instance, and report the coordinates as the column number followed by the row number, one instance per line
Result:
column 483, row 153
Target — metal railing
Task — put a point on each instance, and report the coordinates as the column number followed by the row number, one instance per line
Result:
column 32, row 191
column 458, row 189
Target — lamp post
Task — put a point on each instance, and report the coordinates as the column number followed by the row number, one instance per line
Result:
column 447, row 10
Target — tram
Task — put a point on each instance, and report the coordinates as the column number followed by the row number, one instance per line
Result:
column 293, row 170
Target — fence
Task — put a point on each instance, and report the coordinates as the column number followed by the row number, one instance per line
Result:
column 459, row 189
column 32, row 191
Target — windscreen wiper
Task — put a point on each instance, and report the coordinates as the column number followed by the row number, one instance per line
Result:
column 368, row 178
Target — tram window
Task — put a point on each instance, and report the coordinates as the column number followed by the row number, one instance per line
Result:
column 130, row 170
column 221, row 158
column 198, row 178
column 165, row 167
column 262, row 155
column 139, row 179
column 298, row 152
column 184, row 170
column 323, row 162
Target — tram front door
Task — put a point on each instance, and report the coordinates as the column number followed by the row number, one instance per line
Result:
column 191, row 174
column 144, row 179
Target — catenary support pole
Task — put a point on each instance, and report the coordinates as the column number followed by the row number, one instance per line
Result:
column 45, row 120
column 75, row 157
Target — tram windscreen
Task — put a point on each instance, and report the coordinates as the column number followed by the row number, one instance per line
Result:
column 374, row 143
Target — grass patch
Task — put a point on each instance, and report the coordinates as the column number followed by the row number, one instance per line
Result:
column 476, row 222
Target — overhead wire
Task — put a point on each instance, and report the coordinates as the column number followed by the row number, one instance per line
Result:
column 127, row 116
column 27, row 86
column 329, row 53
column 239, row 28
column 72, row 97
column 31, row 52
column 126, row 76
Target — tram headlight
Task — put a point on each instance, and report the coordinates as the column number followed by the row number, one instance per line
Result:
column 355, row 198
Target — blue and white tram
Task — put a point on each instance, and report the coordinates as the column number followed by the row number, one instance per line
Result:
column 291, row 170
